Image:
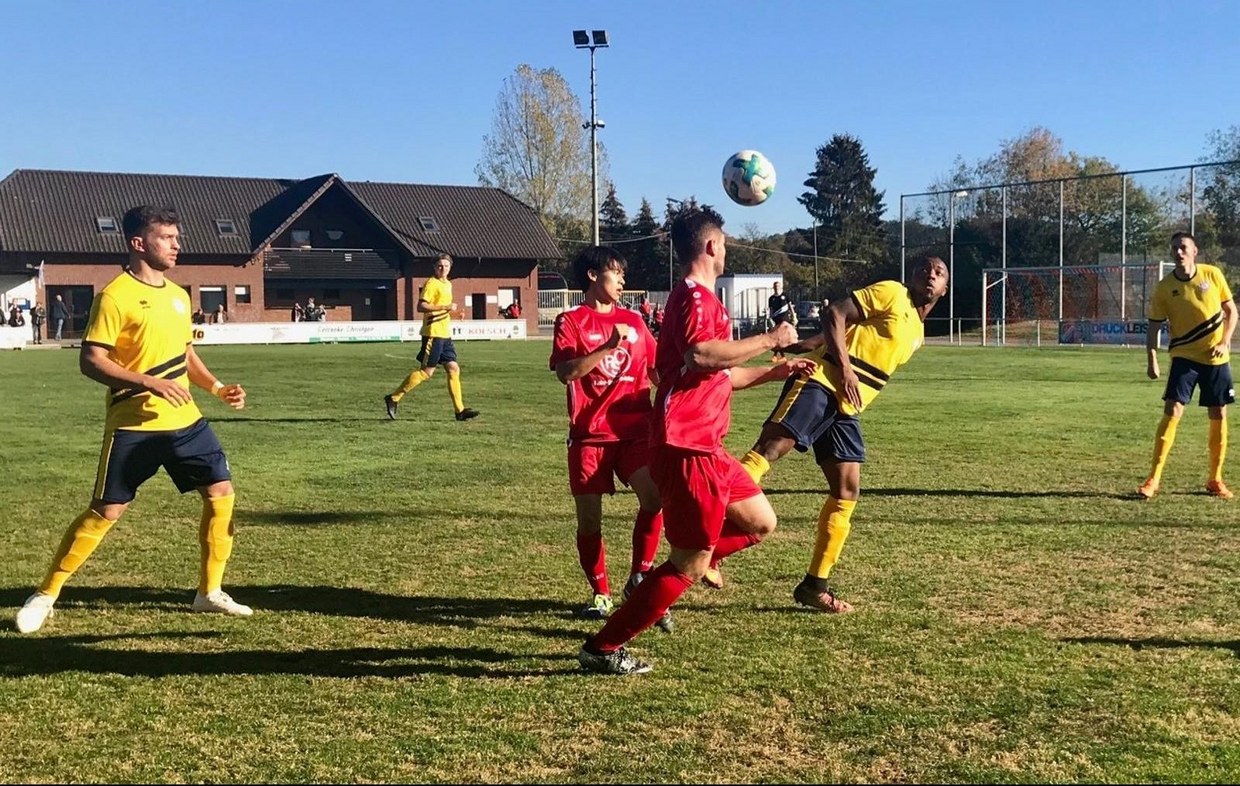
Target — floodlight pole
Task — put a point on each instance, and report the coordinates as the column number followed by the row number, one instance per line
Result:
column 593, row 149
column 598, row 39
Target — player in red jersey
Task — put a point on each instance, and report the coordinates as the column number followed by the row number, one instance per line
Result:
column 711, row 504
column 604, row 354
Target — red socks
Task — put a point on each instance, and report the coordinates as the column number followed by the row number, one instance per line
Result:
column 653, row 597
column 647, row 531
column 594, row 561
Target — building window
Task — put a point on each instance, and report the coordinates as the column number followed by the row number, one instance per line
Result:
column 211, row 298
column 331, row 294
column 107, row 225
column 241, row 293
column 281, row 296
column 428, row 224
column 226, row 227
column 334, row 234
column 301, row 237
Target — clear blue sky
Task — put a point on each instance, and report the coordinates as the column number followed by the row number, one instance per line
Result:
column 404, row 91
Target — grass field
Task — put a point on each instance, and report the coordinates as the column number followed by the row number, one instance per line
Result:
column 1020, row 617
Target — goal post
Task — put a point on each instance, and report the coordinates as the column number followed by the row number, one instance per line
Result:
column 1072, row 304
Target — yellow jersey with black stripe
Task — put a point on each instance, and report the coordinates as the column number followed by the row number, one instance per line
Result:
column 145, row 329
column 437, row 293
column 1193, row 311
column 889, row 332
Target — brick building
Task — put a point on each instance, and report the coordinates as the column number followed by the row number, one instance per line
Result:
column 257, row 245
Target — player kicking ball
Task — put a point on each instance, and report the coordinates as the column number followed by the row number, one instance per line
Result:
column 864, row 339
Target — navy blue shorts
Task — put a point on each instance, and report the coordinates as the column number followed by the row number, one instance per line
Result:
column 192, row 456
column 1215, row 382
column 436, row 351
column 808, row 411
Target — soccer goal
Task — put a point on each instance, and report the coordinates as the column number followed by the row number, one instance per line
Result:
column 1079, row 304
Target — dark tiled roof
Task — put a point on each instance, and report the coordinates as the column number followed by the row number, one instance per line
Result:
column 55, row 212
column 473, row 221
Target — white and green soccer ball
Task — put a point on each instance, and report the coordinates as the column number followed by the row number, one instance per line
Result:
column 749, row 178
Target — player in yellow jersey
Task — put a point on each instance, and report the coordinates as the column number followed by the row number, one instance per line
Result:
column 438, row 307
column 138, row 344
column 1195, row 303
column 864, row 339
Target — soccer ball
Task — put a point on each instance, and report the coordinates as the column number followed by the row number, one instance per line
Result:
column 749, row 178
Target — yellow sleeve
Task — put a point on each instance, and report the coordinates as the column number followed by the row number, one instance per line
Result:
column 876, row 298
column 1223, row 289
column 105, row 322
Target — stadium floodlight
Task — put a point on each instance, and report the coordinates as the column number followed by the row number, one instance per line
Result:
column 583, row 41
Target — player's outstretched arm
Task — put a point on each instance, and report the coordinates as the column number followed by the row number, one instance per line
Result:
column 232, row 395
column 747, row 377
column 835, row 324
column 716, row 355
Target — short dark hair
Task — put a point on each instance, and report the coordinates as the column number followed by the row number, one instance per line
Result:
column 690, row 231
column 598, row 259
column 138, row 219
column 1176, row 237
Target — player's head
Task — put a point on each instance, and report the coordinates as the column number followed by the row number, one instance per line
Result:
column 152, row 235
column 443, row 264
column 698, row 232
column 777, row 286
column 1183, row 247
column 599, row 270
column 930, row 280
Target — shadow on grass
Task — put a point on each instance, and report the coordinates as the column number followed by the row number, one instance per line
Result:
column 996, row 493
column 468, row 613
column 289, row 420
column 34, row 655
column 1140, row 644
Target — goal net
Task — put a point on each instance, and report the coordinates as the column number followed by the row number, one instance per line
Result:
column 1081, row 304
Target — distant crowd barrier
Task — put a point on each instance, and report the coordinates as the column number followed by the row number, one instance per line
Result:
column 333, row 332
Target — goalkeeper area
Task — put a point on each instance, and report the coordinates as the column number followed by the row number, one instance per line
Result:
column 1020, row 617
column 1073, row 304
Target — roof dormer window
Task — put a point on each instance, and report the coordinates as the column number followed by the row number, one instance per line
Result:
column 428, row 224
column 226, row 227
column 107, row 225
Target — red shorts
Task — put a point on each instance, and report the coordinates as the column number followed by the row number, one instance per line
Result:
column 696, row 489
column 591, row 467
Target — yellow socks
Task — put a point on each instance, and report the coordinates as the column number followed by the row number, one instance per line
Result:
column 78, row 543
column 833, row 528
column 216, row 537
column 756, row 465
column 1164, row 438
column 414, row 379
column 454, row 389
column 1218, row 448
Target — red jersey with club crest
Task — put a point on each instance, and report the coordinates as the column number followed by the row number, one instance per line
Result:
column 612, row 402
column 693, row 409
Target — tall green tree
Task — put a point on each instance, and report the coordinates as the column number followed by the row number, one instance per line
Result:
column 537, row 149
column 647, row 253
column 844, row 201
column 1221, row 195
column 613, row 221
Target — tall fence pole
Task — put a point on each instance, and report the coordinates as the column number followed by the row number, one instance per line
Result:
column 1003, row 303
column 903, row 240
column 1060, row 252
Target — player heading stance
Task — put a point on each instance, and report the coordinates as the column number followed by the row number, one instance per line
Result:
column 437, row 349
column 710, row 505
column 864, row 339
column 138, row 344
column 603, row 354
column 1195, row 302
